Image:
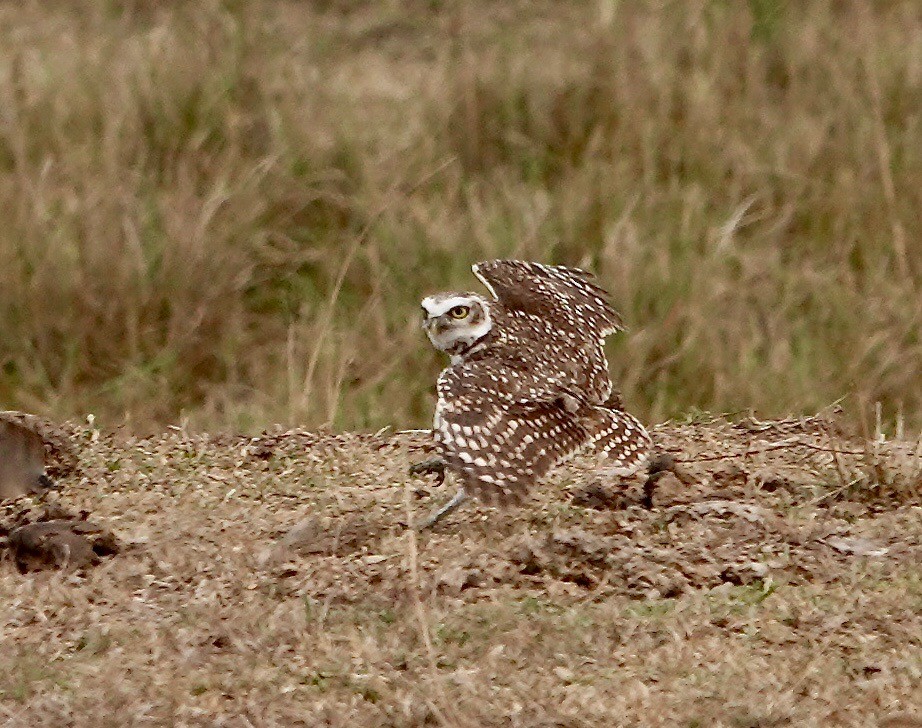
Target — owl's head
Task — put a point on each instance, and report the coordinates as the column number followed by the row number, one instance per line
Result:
column 454, row 322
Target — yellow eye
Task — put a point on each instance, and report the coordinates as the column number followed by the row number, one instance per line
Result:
column 459, row 312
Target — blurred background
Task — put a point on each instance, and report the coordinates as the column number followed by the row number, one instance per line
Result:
column 225, row 213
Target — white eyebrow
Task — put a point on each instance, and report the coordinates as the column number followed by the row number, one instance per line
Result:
column 437, row 307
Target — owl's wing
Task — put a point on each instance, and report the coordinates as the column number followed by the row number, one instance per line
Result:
column 543, row 290
column 559, row 316
column 500, row 438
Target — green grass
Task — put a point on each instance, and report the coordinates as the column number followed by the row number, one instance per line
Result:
column 228, row 212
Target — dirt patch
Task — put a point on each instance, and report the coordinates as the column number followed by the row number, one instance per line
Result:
column 775, row 582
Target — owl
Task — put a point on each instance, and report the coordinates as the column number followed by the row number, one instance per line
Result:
column 528, row 384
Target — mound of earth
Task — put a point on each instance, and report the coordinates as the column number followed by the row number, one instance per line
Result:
column 772, row 579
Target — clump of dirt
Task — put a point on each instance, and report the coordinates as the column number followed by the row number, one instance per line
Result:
column 327, row 536
column 60, row 544
column 50, row 537
column 600, row 496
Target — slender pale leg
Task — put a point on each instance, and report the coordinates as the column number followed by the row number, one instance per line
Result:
column 456, row 500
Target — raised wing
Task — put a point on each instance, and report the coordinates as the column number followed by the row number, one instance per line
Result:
column 540, row 290
column 559, row 316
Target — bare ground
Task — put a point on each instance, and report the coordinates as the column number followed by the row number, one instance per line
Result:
column 779, row 584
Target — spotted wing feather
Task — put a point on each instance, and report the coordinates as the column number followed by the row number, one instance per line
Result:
column 543, row 290
column 618, row 438
column 496, row 441
column 559, row 316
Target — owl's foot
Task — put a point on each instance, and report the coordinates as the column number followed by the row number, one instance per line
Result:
column 435, row 466
column 456, row 500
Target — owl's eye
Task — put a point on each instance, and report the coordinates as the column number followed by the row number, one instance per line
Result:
column 459, row 312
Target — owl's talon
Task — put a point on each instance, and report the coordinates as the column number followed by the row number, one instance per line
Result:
column 435, row 466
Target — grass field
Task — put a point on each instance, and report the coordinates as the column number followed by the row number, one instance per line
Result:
column 779, row 586
column 222, row 215
column 226, row 212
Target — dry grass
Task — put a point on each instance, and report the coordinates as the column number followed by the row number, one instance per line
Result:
column 743, row 599
column 218, row 210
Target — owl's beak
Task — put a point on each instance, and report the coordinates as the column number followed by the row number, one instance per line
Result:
column 433, row 326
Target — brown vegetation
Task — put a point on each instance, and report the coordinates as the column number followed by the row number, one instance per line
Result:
column 227, row 211
column 269, row 582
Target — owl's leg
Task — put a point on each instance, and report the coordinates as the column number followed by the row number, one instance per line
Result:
column 456, row 500
column 435, row 466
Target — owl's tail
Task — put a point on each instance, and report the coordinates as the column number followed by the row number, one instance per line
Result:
column 621, row 443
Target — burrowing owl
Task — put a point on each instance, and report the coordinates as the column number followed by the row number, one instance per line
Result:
column 528, row 383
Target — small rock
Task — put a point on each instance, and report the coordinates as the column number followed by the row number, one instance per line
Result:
column 856, row 546
column 666, row 486
column 743, row 574
column 305, row 537
column 599, row 497
column 459, row 578
column 664, row 474
column 564, row 674
column 731, row 473
column 321, row 536
column 582, row 543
